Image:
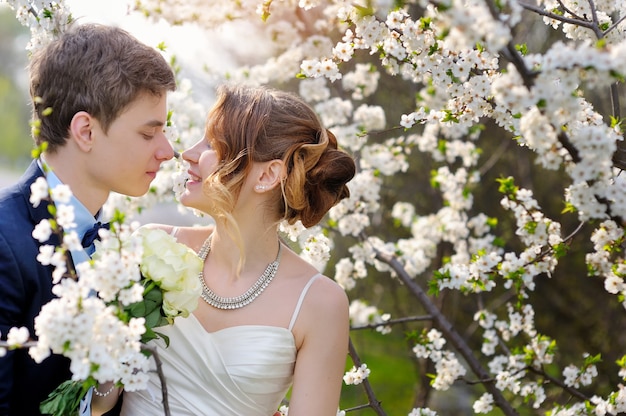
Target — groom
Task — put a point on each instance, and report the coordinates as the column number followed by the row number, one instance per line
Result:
column 99, row 103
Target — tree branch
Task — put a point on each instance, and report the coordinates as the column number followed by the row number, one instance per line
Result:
column 393, row 322
column 159, row 370
column 374, row 403
column 582, row 23
column 448, row 331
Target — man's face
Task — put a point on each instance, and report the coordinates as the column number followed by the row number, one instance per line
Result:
column 127, row 157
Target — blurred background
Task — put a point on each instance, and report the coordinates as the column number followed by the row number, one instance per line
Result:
column 15, row 141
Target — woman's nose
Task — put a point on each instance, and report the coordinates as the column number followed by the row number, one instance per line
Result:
column 191, row 154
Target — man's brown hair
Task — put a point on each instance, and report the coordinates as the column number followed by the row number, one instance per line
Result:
column 93, row 68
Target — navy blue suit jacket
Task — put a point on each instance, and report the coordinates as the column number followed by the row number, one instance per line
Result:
column 25, row 286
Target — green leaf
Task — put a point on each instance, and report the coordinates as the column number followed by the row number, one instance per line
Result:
column 153, row 318
column 507, row 186
column 148, row 335
column 522, row 48
column 65, row 399
column 154, row 295
column 164, row 337
column 137, row 309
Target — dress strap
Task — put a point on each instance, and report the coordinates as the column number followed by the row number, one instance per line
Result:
column 299, row 304
column 174, row 232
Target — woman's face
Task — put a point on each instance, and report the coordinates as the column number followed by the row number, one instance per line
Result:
column 202, row 160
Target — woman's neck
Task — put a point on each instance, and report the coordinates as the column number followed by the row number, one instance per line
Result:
column 259, row 249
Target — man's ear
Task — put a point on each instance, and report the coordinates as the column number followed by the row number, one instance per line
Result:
column 270, row 175
column 81, row 128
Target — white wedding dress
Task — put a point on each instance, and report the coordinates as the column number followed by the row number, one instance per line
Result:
column 237, row 371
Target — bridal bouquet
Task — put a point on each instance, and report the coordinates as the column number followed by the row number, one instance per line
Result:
column 138, row 280
column 170, row 279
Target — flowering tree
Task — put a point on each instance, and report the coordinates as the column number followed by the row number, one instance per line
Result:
column 443, row 103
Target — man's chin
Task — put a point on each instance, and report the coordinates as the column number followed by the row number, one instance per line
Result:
column 136, row 192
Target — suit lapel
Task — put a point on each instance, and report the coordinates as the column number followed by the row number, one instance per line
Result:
column 41, row 211
column 30, row 176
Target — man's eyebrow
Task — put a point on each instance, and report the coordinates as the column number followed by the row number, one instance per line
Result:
column 154, row 123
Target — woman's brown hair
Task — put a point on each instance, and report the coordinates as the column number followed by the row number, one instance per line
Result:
column 259, row 124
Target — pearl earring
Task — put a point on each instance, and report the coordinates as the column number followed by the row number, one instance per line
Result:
column 260, row 187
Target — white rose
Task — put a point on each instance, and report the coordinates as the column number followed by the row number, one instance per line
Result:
column 174, row 267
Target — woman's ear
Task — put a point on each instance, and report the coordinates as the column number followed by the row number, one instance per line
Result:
column 270, row 175
column 81, row 128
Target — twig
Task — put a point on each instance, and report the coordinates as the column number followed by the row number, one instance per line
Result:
column 374, row 403
column 594, row 19
column 393, row 322
column 558, row 382
column 27, row 344
column 355, row 408
column 567, row 10
column 159, row 370
column 614, row 25
column 543, row 12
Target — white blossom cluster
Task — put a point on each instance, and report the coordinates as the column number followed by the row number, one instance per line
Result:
column 495, row 331
column 16, row 338
column 79, row 324
column 484, row 404
column 614, row 404
column 422, row 412
column 356, row 375
column 316, row 247
column 44, row 18
column 579, row 377
column 85, row 321
column 603, row 261
column 90, row 334
column 448, row 367
column 352, row 214
column 604, row 9
column 362, row 314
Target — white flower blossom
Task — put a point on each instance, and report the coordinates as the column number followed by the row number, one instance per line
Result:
column 17, row 336
column 38, row 191
column 356, row 375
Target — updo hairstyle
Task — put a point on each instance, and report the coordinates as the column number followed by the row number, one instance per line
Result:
column 259, row 124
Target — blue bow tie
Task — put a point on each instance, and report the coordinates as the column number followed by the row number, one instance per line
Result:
column 92, row 234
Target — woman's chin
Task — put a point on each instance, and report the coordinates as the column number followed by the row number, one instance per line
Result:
column 189, row 201
column 186, row 199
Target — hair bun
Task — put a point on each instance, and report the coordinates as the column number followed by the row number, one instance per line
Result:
column 324, row 183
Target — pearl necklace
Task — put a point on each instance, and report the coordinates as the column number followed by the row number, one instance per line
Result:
column 244, row 299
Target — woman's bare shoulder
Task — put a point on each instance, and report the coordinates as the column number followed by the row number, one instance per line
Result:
column 326, row 293
column 324, row 313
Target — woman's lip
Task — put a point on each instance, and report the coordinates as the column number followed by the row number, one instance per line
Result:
column 193, row 177
column 192, row 180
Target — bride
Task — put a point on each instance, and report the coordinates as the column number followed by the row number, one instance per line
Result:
column 267, row 320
